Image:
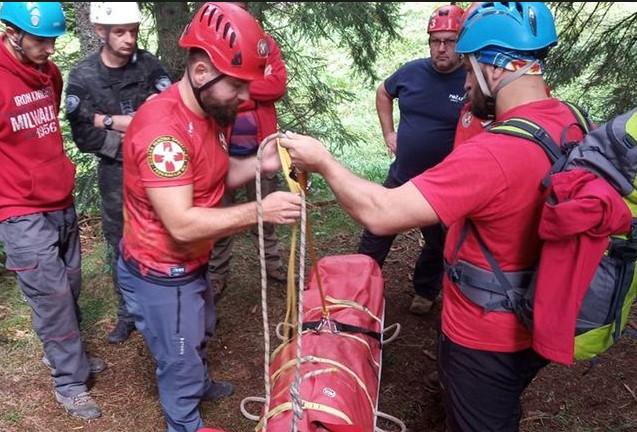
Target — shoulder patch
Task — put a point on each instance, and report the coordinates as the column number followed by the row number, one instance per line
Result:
column 162, row 83
column 167, row 157
column 72, row 102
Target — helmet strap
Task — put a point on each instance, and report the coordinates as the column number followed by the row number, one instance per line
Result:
column 197, row 90
column 480, row 76
column 17, row 46
column 513, row 76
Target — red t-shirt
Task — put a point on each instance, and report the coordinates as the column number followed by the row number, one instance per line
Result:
column 468, row 125
column 168, row 145
column 495, row 181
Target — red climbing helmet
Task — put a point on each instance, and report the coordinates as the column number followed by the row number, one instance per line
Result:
column 445, row 18
column 232, row 38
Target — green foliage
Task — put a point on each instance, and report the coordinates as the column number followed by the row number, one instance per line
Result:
column 593, row 63
column 308, row 34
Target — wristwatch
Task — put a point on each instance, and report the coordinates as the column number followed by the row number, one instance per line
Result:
column 108, row 122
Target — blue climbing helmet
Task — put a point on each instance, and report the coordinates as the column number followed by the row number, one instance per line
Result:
column 520, row 26
column 43, row 19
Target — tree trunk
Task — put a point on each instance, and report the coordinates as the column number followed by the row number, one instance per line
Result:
column 89, row 42
column 171, row 18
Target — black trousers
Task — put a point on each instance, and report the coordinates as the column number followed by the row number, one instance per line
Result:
column 428, row 269
column 482, row 389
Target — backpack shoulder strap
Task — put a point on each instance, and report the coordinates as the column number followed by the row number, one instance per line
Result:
column 523, row 128
column 581, row 116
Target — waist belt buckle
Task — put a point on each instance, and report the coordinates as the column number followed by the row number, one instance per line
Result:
column 454, row 274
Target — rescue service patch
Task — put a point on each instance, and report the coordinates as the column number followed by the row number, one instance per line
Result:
column 467, row 118
column 167, row 157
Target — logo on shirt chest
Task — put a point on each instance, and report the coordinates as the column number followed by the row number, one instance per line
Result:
column 167, row 157
column 456, row 98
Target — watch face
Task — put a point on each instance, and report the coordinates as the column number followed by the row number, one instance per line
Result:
column 108, row 121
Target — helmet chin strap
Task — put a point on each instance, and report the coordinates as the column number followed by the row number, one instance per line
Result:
column 197, row 90
column 18, row 45
column 503, row 82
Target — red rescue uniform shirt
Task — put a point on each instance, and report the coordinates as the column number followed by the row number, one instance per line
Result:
column 168, row 145
column 495, row 181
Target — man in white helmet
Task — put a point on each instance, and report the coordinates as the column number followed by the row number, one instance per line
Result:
column 104, row 91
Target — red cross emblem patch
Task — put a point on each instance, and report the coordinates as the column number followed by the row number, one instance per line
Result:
column 167, row 157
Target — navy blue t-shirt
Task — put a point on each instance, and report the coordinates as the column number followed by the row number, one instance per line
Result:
column 429, row 103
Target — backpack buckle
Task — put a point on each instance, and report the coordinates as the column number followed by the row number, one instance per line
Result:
column 454, row 274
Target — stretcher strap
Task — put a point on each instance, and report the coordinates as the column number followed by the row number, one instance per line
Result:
column 310, row 374
column 306, row 405
column 344, row 304
column 342, row 327
column 341, row 366
column 276, row 352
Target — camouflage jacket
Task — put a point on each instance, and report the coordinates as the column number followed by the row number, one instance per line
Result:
column 93, row 88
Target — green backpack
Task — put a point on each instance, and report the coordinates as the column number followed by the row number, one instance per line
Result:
column 610, row 152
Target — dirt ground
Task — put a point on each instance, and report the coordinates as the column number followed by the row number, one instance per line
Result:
column 598, row 396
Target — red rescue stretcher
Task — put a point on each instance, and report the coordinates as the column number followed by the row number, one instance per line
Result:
column 341, row 356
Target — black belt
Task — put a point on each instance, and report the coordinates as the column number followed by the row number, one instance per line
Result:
column 342, row 327
column 158, row 278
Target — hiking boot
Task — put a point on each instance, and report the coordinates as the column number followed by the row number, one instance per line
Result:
column 121, row 332
column 432, row 382
column 277, row 274
column 218, row 390
column 95, row 364
column 81, row 405
column 421, row 305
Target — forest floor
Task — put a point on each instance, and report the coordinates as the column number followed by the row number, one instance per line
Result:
column 590, row 396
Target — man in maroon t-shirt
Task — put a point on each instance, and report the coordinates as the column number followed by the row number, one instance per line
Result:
column 485, row 361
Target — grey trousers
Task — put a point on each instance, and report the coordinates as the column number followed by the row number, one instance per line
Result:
column 176, row 322
column 44, row 250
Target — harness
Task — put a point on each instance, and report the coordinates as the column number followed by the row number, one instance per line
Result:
column 494, row 289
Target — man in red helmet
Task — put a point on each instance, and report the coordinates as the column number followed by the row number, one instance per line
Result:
column 256, row 119
column 430, row 94
column 176, row 169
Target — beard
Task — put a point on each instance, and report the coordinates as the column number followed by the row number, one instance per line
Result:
column 482, row 106
column 223, row 113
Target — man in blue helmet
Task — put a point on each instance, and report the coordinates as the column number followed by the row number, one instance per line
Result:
column 38, row 224
column 487, row 192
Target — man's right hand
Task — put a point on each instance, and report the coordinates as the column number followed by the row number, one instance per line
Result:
column 390, row 142
column 283, row 208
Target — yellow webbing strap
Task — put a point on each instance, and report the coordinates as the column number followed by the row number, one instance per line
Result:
column 342, row 304
column 291, row 314
column 287, row 406
column 297, row 183
column 341, row 334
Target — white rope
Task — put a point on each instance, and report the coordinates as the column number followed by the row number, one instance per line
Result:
column 297, row 402
column 264, row 280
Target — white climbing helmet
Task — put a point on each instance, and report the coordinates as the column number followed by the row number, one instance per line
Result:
column 114, row 13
